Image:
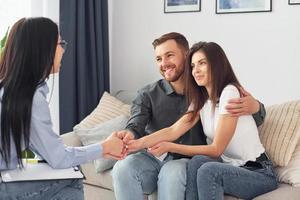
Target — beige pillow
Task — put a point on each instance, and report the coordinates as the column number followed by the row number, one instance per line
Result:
column 101, row 131
column 110, row 115
column 280, row 131
column 291, row 173
column 108, row 108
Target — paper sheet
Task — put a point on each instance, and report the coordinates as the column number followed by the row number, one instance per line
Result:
column 39, row 171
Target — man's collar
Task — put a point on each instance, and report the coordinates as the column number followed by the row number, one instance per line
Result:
column 167, row 87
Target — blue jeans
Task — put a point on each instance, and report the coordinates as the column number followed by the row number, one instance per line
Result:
column 209, row 178
column 142, row 173
column 71, row 189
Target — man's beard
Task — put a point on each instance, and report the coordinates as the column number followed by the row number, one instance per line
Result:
column 174, row 78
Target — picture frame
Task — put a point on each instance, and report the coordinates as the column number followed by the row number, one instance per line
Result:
column 243, row 6
column 294, row 2
column 176, row 6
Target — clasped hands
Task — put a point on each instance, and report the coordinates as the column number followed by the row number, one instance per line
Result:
column 120, row 143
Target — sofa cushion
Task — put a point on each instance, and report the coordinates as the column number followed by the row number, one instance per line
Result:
column 101, row 131
column 108, row 108
column 110, row 115
column 280, row 131
column 283, row 192
column 92, row 192
column 103, row 179
column 291, row 173
column 126, row 96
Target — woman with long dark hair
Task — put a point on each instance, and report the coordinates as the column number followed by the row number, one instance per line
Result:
column 33, row 51
column 234, row 160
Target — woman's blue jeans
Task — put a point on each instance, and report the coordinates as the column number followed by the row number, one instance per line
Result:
column 71, row 189
column 209, row 178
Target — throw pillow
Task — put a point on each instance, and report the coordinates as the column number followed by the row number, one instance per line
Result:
column 108, row 108
column 101, row 132
column 280, row 131
column 291, row 173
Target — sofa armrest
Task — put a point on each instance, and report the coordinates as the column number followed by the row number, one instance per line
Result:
column 71, row 139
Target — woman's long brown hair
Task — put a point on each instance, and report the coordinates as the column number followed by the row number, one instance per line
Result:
column 221, row 75
column 26, row 63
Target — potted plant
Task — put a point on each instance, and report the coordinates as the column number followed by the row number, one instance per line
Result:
column 2, row 42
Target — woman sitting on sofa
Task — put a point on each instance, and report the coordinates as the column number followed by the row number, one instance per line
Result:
column 234, row 161
column 33, row 51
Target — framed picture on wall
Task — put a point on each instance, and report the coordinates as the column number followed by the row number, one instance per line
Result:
column 294, row 2
column 243, row 6
column 174, row 6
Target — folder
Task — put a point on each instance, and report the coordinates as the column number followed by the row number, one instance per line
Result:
column 40, row 171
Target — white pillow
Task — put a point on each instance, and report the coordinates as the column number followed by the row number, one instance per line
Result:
column 291, row 173
column 101, row 132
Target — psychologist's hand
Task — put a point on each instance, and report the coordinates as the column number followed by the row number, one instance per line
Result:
column 246, row 105
column 113, row 147
column 125, row 135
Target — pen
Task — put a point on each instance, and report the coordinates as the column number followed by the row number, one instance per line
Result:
column 34, row 161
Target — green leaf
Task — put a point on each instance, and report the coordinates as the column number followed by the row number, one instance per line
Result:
column 3, row 41
column 27, row 154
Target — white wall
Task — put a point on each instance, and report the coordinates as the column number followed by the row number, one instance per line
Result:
column 262, row 47
column 11, row 11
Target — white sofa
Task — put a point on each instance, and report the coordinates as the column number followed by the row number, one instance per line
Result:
column 98, row 186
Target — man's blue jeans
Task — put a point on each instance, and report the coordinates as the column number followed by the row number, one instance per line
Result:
column 142, row 173
column 37, row 190
column 209, row 178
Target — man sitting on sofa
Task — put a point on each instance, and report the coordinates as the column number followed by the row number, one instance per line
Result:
column 157, row 106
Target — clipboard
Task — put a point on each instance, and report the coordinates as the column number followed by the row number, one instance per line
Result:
column 40, row 171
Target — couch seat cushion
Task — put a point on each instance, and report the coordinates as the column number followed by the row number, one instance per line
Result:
column 103, row 179
column 291, row 173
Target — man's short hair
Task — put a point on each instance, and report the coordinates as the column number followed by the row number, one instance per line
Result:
column 180, row 40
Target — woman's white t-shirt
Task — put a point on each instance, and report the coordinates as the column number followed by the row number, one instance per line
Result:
column 245, row 144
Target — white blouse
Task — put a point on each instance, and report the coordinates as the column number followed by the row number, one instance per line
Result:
column 245, row 144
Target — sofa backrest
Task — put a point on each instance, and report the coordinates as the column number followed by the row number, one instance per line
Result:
column 125, row 96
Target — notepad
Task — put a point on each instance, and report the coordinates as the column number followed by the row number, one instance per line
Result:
column 39, row 171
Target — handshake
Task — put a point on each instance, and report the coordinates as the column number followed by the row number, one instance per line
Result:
column 120, row 143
